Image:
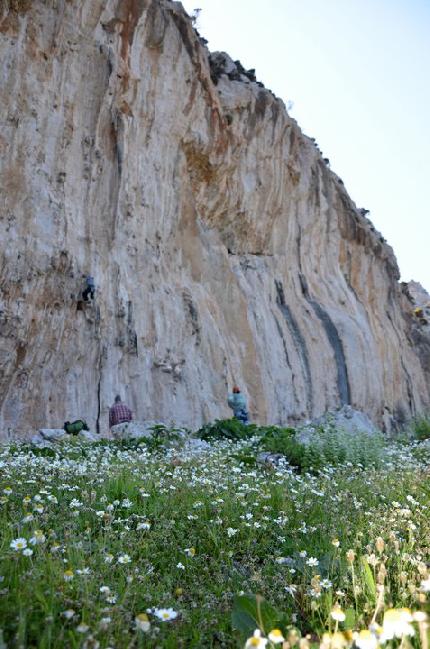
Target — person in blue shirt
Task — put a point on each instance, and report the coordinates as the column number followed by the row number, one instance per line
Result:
column 237, row 403
column 90, row 289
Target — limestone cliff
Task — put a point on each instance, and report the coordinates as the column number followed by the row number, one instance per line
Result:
column 223, row 247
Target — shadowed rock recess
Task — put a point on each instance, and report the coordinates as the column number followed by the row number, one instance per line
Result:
column 222, row 246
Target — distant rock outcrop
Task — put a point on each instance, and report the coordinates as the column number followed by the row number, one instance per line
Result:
column 222, row 246
column 418, row 294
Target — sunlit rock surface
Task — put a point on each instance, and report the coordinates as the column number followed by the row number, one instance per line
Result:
column 223, row 247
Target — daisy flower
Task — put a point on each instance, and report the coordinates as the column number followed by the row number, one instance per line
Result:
column 165, row 614
column 18, row 544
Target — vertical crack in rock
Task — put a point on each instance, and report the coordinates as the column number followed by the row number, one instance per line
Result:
column 299, row 343
column 335, row 342
column 117, row 133
column 102, row 357
column 299, row 247
column 131, row 332
column 99, row 390
column 98, row 403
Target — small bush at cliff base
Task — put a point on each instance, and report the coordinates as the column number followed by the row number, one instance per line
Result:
column 421, row 428
column 227, row 429
column 313, row 449
column 321, row 446
column 336, row 446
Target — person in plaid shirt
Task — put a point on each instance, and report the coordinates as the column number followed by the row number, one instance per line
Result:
column 119, row 413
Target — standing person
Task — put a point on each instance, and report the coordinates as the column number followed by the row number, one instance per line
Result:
column 237, row 403
column 119, row 413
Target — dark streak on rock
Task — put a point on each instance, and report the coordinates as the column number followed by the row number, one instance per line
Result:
column 335, row 342
column 193, row 316
column 98, row 406
column 299, row 342
column 116, row 136
column 131, row 332
column 284, row 344
column 276, row 111
column 261, row 104
column 183, row 27
column 157, row 24
column 299, row 248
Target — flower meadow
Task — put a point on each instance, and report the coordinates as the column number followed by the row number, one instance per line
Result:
column 106, row 545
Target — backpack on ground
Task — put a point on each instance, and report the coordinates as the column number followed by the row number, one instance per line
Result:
column 75, row 427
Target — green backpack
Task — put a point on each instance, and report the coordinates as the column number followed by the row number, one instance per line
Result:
column 75, row 427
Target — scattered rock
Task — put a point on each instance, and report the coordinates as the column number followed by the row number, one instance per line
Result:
column 270, row 460
column 418, row 294
column 221, row 63
column 196, row 445
column 88, row 436
column 40, row 442
column 49, row 437
column 52, row 434
column 346, row 418
column 134, row 429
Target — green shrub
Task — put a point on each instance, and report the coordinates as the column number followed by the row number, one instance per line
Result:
column 336, row 446
column 276, row 439
column 283, row 441
column 421, row 428
column 246, row 457
column 421, row 452
column 325, row 446
column 227, row 429
column 162, row 437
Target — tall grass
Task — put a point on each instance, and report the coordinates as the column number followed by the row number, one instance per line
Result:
column 111, row 536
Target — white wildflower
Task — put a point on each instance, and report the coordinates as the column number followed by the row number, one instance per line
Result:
column 165, row 614
column 18, row 544
column 256, row 641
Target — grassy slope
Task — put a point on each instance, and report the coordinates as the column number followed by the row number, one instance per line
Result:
column 274, row 516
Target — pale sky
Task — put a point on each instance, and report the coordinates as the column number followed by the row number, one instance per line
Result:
column 358, row 72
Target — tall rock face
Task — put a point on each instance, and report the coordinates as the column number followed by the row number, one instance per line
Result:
column 223, row 248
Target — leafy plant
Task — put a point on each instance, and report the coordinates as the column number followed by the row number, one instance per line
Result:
column 324, row 446
column 421, row 428
column 253, row 611
column 227, row 429
column 161, row 437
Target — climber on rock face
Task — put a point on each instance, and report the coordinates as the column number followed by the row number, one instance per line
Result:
column 119, row 413
column 237, row 403
column 90, row 288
